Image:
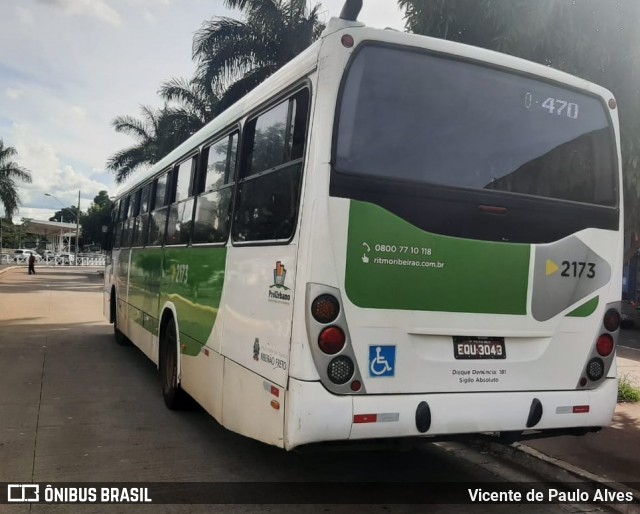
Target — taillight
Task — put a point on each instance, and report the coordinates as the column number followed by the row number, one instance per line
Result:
column 612, row 320
column 325, row 308
column 340, row 370
column 331, row 340
column 595, row 369
column 605, row 345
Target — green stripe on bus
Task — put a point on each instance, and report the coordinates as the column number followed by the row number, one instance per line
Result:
column 586, row 309
column 391, row 264
column 190, row 278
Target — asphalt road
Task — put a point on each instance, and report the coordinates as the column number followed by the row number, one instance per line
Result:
column 74, row 406
column 630, row 337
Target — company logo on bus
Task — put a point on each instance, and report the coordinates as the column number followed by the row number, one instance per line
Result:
column 276, row 293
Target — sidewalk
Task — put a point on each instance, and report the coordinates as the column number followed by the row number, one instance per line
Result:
column 613, row 453
column 610, row 457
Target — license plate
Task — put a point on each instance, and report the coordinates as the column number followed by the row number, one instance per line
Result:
column 479, row 348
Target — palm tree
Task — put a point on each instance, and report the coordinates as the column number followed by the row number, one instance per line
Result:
column 10, row 173
column 193, row 100
column 234, row 56
column 159, row 132
column 189, row 106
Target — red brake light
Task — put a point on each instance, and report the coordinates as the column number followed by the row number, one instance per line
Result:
column 605, row 345
column 331, row 340
column 612, row 320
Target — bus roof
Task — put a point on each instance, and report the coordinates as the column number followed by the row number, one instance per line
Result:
column 306, row 62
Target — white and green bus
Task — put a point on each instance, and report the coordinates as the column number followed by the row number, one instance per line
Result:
column 392, row 236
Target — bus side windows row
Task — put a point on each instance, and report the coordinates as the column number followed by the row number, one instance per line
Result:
column 192, row 202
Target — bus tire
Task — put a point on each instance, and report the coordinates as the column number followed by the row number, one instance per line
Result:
column 120, row 338
column 174, row 397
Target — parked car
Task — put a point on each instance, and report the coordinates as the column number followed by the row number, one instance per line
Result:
column 66, row 258
column 629, row 311
column 49, row 255
column 23, row 254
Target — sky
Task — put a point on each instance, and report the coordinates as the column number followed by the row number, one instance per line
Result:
column 69, row 67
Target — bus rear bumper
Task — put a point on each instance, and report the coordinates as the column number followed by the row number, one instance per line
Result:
column 315, row 415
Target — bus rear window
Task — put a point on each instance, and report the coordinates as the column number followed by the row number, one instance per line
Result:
column 411, row 116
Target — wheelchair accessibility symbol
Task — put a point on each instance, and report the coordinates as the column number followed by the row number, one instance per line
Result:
column 382, row 361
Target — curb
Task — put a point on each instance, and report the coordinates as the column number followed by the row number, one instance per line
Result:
column 556, row 470
column 7, row 269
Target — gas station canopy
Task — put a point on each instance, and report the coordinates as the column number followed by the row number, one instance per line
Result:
column 57, row 233
column 47, row 228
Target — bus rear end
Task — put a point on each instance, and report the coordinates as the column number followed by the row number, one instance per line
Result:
column 465, row 269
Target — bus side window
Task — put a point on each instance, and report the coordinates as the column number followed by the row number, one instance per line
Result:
column 158, row 217
column 125, row 242
column 213, row 210
column 269, row 187
column 142, row 221
column 181, row 210
column 117, row 227
column 133, row 217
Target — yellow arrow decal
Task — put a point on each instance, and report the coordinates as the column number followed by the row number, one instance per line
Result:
column 552, row 267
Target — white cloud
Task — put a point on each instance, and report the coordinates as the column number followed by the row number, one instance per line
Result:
column 79, row 112
column 24, row 15
column 94, row 8
column 150, row 18
column 50, row 175
column 68, row 67
column 14, row 94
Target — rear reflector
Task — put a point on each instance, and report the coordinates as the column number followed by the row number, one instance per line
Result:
column 580, row 409
column 365, row 418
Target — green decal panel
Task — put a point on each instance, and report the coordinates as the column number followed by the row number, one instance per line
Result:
column 190, row 278
column 391, row 264
column 144, row 281
column 586, row 309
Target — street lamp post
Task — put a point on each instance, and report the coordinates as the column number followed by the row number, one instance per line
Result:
column 77, row 222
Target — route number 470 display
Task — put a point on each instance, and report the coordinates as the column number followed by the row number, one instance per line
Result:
column 554, row 106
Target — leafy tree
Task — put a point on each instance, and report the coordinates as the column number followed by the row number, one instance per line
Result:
column 66, row 214
column 10, row 174
column 595, row 40
column 97, row 216
column 234, row 56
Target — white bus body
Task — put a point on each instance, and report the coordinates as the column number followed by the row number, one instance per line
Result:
column 464, row 309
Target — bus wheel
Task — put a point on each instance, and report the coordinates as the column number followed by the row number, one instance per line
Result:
column 174, row 396
column 120, row 338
